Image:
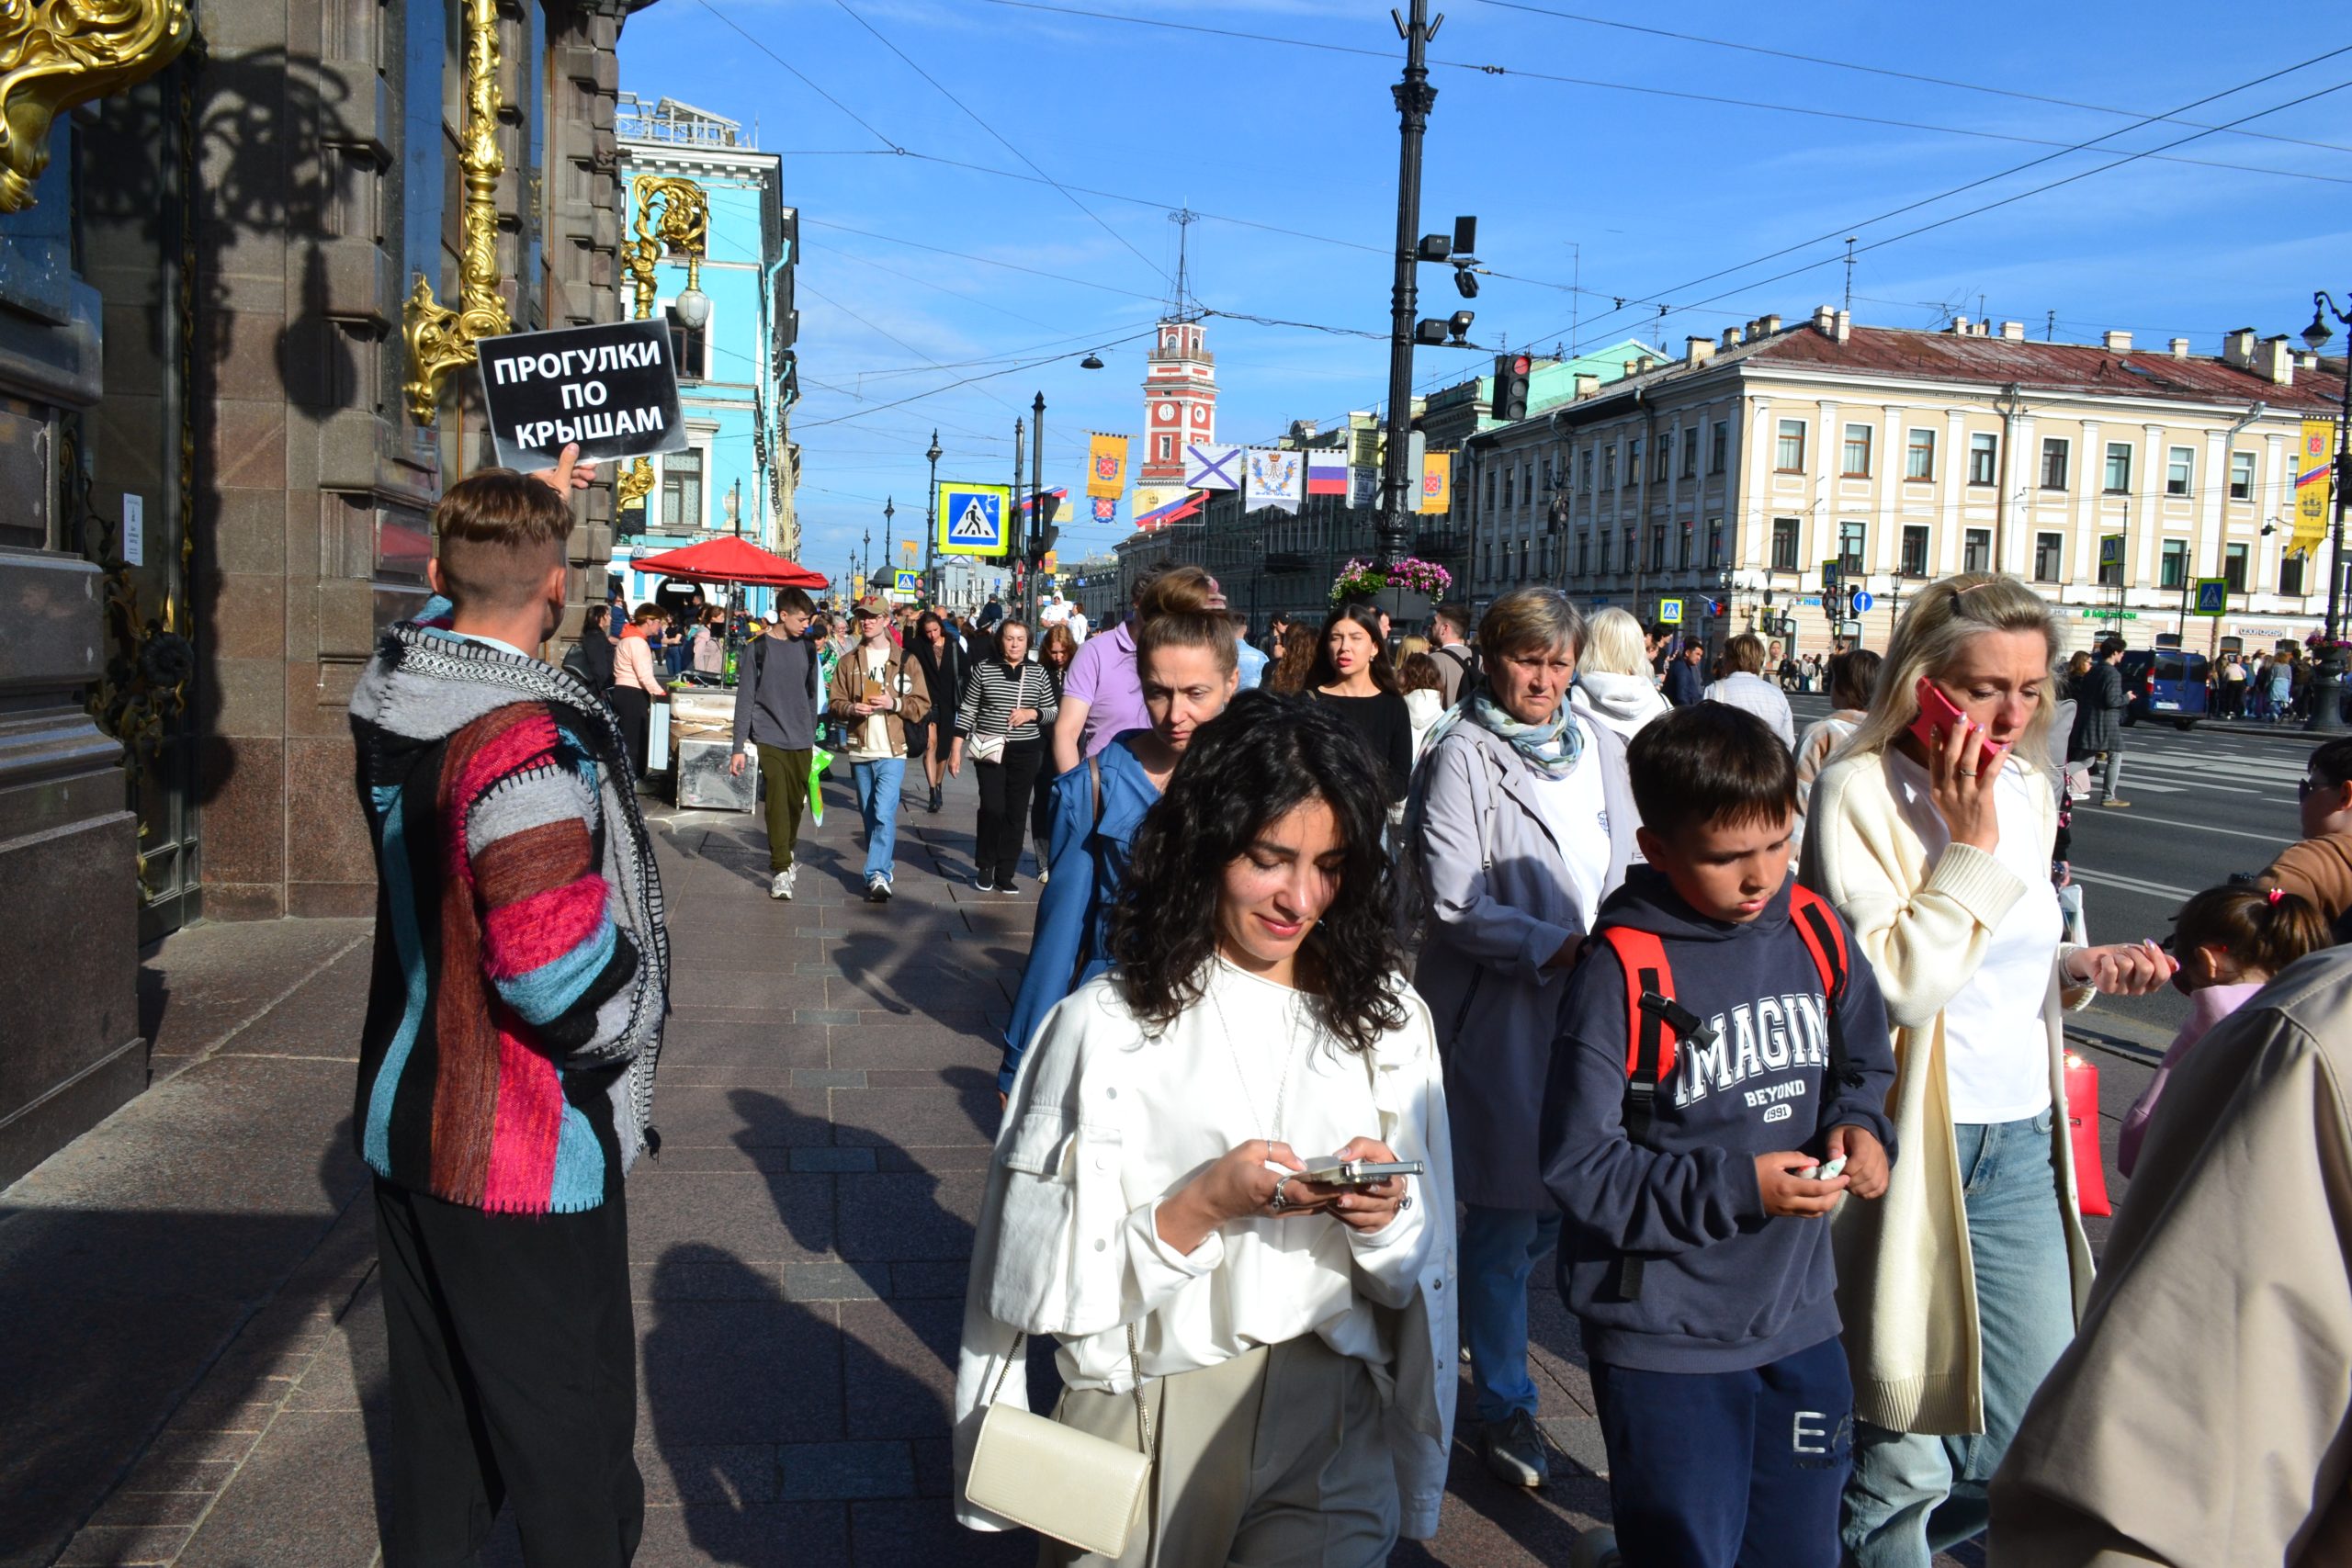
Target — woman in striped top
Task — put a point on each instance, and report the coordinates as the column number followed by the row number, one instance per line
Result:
column 1005, row 700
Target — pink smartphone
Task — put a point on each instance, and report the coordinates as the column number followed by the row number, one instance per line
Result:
column 1937, row 712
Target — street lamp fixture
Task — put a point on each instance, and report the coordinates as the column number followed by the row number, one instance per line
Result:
column 684, row 226
column 1091, row 362
column 441, row 339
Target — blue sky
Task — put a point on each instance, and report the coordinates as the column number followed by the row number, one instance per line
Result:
column 1635, row 194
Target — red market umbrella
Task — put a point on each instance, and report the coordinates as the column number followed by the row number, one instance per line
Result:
column 729, row 559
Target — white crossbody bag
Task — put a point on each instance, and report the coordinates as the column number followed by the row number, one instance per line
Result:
column 1057, row 1480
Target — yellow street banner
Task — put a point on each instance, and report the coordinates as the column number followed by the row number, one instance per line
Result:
column 1106, row 465
column 2312, row 486
column 1437, row 482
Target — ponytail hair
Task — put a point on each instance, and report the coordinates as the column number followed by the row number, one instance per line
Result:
column 2261, row 927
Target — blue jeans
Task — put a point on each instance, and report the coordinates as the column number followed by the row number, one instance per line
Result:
column 877, row 783
column 1728, row 1469
column 1500, row 1247
column 1913, row 1494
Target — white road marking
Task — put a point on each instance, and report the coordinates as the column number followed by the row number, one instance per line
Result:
column 2209, row 827
column 2132, row 884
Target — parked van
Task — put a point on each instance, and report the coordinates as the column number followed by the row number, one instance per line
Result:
column 2166, row 684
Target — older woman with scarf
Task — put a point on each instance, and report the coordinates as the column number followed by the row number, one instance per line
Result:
column 1521, row 821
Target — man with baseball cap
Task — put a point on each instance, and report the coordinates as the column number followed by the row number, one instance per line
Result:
column 877, row 690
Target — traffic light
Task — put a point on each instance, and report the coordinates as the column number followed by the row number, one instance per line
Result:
column 1512, row 374
column 1048, row 507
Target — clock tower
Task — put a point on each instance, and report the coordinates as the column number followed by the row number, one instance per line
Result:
column 1179, row 408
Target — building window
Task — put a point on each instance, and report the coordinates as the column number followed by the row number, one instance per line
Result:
column 1586, row 471
column 2172, row 568
column 1631, row 564
column 2118, row 467
column 1919, row 455
column 2049, row 556
column 1851, row 540
column 1584, row 554
column 1658, row 546
column 689, row 346
column 681, row 490
column 1167, row 449
column 2290, row 574
column 1604, row 552
column 1490, row 489
column 2241, row 476
column 2234, row 566
column 1858, row 452
column 1791, row 458
column 1687, row 530
column 1983, row 458
column 1609, row 467
column 1715, row 544
column 1976, row 549
column 1915, row 550
column 1632, row 462
column 1784, row 544
column 2054, row 463
column 1691, row 453
column 2179, row 463
column 1661, row 462
column 1723, row 447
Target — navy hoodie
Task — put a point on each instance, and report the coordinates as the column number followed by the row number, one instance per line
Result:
column 1724, row 1287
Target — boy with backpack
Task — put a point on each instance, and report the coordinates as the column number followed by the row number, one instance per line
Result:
column 1719, row 1082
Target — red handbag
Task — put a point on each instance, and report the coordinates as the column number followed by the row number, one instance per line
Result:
column 2082, row 1126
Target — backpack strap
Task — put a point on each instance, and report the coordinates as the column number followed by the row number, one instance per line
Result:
column 1654, row 1022
column 1824, row 939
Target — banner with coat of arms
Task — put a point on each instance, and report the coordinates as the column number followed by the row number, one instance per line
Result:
column 2314, row 470
column 1106, row 465
column 1437, row 482
column 1273, row 477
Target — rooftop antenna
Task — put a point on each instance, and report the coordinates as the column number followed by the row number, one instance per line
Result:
column 1182, row 306
column 2050, row 326
column 1576, row 297
column 1849, row 275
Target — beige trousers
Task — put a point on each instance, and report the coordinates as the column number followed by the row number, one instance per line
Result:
column 1276, row 1459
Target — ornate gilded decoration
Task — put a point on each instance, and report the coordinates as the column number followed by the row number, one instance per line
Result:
column 57, row 53
column 684, row 226
column 441, row 339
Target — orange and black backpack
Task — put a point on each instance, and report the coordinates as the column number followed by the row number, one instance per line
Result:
column 1655, row 1021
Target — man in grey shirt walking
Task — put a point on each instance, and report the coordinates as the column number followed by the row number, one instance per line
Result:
column 775, row 714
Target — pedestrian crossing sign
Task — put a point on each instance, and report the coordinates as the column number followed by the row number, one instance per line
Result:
column 1669, row 612
column 906, row 582
column 2212, row 596
column 2110, row 552
column 972, row 518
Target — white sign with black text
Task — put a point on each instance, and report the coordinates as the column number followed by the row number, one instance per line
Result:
column 613, row 388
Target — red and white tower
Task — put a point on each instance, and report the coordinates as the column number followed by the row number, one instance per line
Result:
column 1179, row 401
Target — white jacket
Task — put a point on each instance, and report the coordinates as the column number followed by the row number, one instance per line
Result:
column 1048, row 1256
column 1624, row 703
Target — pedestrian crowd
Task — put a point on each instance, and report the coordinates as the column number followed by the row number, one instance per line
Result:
column 1366, row 977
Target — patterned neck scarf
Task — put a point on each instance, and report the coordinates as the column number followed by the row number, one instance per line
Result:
column 1553, row 748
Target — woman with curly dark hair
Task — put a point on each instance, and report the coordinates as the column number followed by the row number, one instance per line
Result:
column 1255, row 1016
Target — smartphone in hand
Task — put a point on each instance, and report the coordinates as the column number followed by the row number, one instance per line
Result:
column 1937, row 713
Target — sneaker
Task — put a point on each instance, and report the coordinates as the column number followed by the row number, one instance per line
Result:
column 1597, row 1549
column 780, row 884
column 1008, row 886
column 2118, row 804
column 984, row 881
column 1513, row 1449
column 877, row 889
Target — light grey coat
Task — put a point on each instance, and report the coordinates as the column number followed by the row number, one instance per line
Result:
column 1500, row 906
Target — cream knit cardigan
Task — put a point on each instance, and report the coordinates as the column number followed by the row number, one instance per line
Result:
column 1906, row 1287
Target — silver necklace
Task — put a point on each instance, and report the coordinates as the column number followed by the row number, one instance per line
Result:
column 1241, row 1070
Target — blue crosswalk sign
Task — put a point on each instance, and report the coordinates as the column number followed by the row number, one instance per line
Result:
column 972, row 518
column 2212, row 596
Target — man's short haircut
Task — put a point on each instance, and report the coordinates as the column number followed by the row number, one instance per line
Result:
column 1745, row 653
column 1146, row 577
column 2111, row 645
column 794, row 602
column 2333, row 762
column 498, row 532
column 1710, row 763
column 1454, row 615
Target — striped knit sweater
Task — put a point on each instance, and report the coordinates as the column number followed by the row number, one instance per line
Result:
column 991, row 692
column 521, row 969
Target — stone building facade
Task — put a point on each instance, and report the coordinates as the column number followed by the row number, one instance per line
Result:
column 219, row 493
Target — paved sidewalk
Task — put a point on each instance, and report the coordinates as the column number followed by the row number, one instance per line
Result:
column 195, row 1371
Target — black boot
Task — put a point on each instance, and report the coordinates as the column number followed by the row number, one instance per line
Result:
column 935, row 801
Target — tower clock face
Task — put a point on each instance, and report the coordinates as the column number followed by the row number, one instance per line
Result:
column 1166, row 414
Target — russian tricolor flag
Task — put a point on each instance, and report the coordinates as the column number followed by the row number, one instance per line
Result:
column 1327, row 472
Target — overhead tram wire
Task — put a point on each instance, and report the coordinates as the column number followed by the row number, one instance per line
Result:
column 1856, row 65
column 798, row 75
column 984, row 261
column 940, row 88
column 966, row 381
column 1600, row 85
column 1845, row 229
